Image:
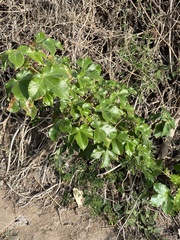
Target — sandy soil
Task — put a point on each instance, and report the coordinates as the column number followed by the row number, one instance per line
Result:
column 35, row 222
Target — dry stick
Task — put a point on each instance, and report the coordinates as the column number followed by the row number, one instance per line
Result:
column 166, row 145
column 127, row 218
column 170, row 34
column 10, row 149
column 32, row 197
column 111, row 170
column 160, row 35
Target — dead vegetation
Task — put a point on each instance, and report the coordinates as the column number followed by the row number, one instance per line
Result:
column 105, row 31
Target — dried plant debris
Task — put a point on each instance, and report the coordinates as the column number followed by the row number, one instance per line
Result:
column 135, row 42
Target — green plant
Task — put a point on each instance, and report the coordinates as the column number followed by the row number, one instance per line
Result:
column 140, row 64
column 164, row 123
column 168, row 199
column 89, row 110
column 103, row 142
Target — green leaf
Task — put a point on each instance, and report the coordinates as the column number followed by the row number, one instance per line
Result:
column 116, row 112
column 117, row 147
column 106, row 158
column 86, row 130
column 158, row 130
column 23, row 49
column 64, row 105
column 177, row 201
column 143, row 128
column 48, row 99
column 85, row 83
column 109, row 131
column 95, row 68
column 166, row 129
column 37, row 87
column 94, row 74
column 9, row 85
column 163, row 198
column 49, row 45
column 122, row 137
column 74, row 112
column 37, row 56
column 109, row 113
column 65, row 125
column 167, row 206
column 175, row 179
column 24, row 76
column 54, row 132
column 20, row 86
column 97, row 153
column 161, row 188
column 58, row 87
column 84, row 63
column 124, row 92
column 20, row 91
column 60, row 71
column 81, row 140
column 106, row 114
column 4, row 60
column 104, row 133
column 58, row 45
column 130, row 147
column 40, row 37
column 56, row 78
column 16, row 58
column 171, row 123
column 98, row 135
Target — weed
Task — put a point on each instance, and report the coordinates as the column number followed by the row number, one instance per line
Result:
column 106, row 149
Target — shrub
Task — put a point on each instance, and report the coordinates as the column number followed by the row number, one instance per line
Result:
column 92, row 117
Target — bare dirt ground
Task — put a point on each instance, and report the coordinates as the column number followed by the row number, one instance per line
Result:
column 29, row 188
column 37, row 222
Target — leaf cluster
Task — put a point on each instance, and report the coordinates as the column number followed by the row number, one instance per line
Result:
column 91, row 110
column 92, row 117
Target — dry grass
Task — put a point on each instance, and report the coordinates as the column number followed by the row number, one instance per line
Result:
column 95, row 28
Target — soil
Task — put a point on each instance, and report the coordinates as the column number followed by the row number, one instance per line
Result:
column 29, row 188
column 37, row 222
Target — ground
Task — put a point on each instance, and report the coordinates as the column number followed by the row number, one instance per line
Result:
column 112, row 33
column 37, row 222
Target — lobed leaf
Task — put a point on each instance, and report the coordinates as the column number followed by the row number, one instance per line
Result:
column 40, row 37
column 97, row 153
column 84, row 63
column 57, row 86
column 107, row 157
column 16, row 58
column 163, row 198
